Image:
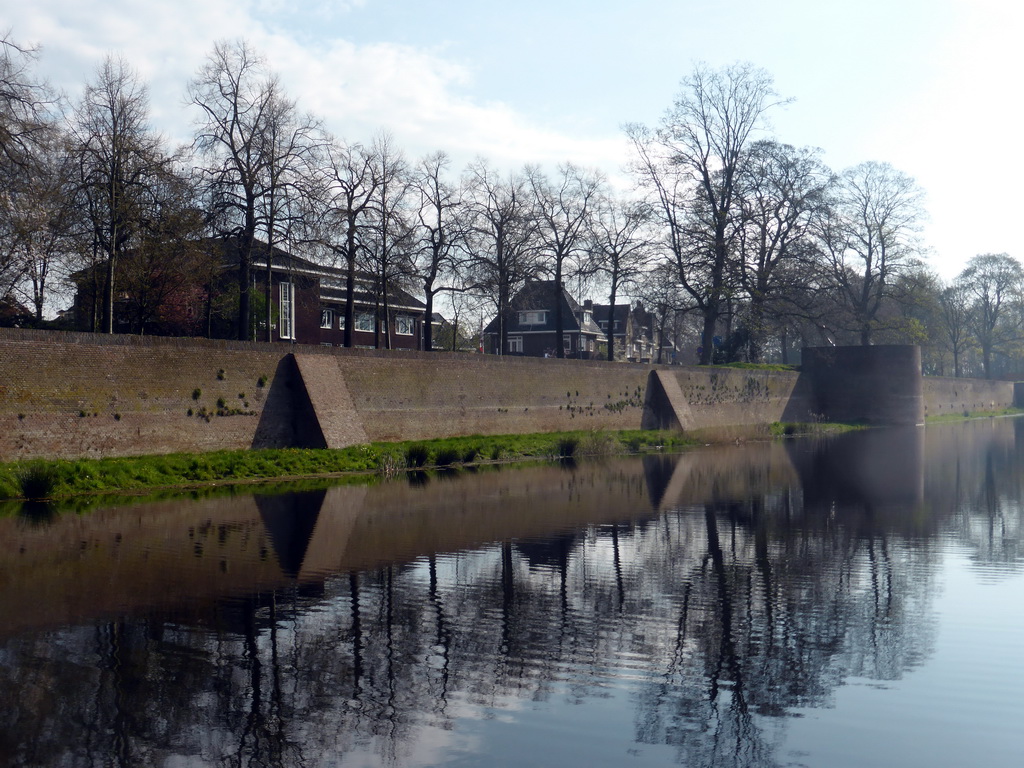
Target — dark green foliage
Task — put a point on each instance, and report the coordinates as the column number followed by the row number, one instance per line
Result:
column 37, row 480
column 446, row 456
column 567, row 446
column 416, row 455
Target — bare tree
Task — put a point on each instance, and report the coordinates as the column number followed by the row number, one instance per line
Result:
column 502, row 232
column 954, row 315
column 868, row 235
column 118, row 159
column 38, row 218
column 440, row 234
column 237, row 96
column 389, row 246
column 994, row 283
column 164, row 276
column 25, row 104
column 781, row 190
column 623, row 247
column 690, row 165
column 349, row 187
column 563, row 210
column 289, row 144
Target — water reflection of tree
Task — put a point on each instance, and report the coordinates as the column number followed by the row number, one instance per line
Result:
column 724, row 615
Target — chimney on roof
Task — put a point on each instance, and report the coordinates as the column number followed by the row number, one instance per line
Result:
column 589, row 304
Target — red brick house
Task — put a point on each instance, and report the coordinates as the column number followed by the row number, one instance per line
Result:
column 307, row 304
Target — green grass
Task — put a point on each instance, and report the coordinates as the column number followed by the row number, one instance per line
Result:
column 760, row 366
column 63, row 478
column 801, row 428
column 973, row 415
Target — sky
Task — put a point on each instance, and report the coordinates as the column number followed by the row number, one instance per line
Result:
column 929, row 86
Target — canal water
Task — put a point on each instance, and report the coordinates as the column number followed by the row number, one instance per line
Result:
column 849, row 601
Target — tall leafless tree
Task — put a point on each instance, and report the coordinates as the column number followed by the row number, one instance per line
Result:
column 25, row 104
column 994, row 285
column 236, row 96
column 563, row 209
column 868, row 235
column 389, row 241
column 690, row 165
column 348, row 190
column 623, row 247
column 290, row 144
column 118, row 161
column 782, row 190
column 440, row 233
column 502, row 237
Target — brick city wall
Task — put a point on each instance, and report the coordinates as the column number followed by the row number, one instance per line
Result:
column 71, row 395
column 944, row 396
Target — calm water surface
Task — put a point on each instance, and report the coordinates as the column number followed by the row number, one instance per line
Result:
column 846, row 602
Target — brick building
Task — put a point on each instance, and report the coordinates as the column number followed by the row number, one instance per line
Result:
column 307, row 303
column 530, row 324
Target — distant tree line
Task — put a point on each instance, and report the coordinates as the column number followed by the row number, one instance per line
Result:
column 741, row 246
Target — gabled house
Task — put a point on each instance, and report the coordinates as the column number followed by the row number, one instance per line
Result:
column 530, row 324
column 632, row 331
column 14, row 314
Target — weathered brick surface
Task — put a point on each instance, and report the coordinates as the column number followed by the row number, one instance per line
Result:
column 67, row 394
column 90, row 395
column 718, row 397
column 337, row 419
column 943, row 395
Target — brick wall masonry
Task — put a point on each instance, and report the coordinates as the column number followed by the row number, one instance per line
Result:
column 70, row 395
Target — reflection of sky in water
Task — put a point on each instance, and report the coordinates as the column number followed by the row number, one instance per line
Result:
column 964, row 707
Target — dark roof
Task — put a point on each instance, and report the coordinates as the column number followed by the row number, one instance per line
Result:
column 332, row 279
column 398, row 298
column 621, row 313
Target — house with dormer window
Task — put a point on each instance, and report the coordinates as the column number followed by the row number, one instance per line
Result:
column 530, row 325
column 631, row 329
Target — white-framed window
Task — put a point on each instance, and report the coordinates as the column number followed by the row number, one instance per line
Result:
column 287, row 309
column 567, row 341
column 515, row 344
column 533, row 317
column 587, row 316
column 326, row 317
column 364, row 321
column 403, row 325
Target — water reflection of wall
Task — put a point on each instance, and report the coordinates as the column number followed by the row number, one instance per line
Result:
column 761, row 585
column 721, row 611
column 191, row 553
column 878, row 470
column 975, row 480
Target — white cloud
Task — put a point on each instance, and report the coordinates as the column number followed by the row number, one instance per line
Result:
column 417, row 95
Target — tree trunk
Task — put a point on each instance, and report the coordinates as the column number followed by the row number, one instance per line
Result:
column 559, row 320
column 611, row 324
